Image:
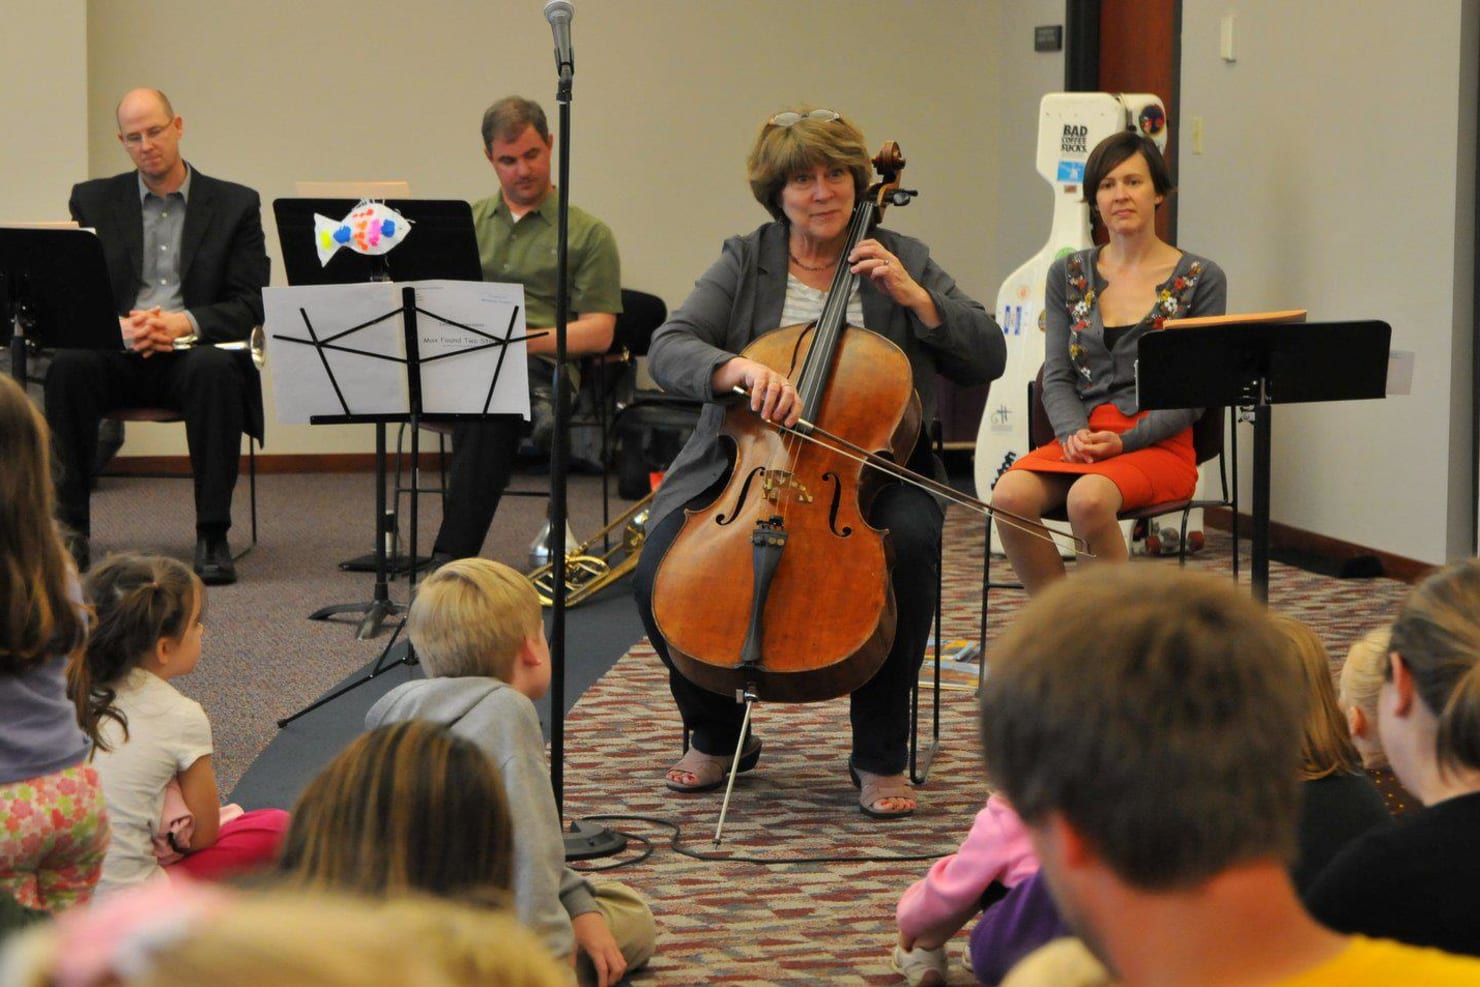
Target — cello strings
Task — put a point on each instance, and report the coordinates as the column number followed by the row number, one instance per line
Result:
column 843, row 447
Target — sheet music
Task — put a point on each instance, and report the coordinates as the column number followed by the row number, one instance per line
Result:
column 339, row 350
column 459, row 331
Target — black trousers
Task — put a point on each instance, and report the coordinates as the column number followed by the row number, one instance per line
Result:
column 483, row 455
column 880, row 709
column 482, row 462
column 208, row 386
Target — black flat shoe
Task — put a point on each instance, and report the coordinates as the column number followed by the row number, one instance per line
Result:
column 213, row 562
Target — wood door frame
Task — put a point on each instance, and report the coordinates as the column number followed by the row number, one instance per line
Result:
column 1085, row 71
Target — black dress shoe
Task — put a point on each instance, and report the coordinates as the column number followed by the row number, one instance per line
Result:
column 213, row 563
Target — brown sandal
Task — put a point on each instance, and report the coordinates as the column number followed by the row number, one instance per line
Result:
column 709, row 771
column 874, row 789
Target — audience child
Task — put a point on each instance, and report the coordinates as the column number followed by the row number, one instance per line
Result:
column 149, row 626
column 1065, row 962
column 1146, row 725
column 53, row 826
column 1361, row 681
column 1419, row 882
column 476, row 627
column 994, row 872
column 1338, row 802
column 406, row 808
column 163, row 934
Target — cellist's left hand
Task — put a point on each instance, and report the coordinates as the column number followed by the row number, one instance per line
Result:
column 871, row 260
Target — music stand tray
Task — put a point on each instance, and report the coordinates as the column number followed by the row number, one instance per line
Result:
column 1260, row 364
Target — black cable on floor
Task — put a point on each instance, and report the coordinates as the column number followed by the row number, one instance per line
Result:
column 674, row 844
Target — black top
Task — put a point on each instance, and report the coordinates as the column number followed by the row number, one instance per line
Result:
column 1334, row 811
column 1114, row 333
column 1417, row 882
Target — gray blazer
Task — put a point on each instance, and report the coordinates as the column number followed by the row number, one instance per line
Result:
column 741, row 297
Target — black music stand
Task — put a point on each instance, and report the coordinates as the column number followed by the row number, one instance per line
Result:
column 318, row 345
column 1260, row 364
column 54, row 293
column 441, row 245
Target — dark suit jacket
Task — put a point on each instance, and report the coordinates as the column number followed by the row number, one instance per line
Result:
column 223, row 253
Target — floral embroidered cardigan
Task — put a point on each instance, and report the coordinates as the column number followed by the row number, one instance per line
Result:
column 1080, row 373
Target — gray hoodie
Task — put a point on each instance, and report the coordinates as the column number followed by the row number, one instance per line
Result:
column 503, row 722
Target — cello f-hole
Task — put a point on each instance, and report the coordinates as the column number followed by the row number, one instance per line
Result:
column 723, row 519
column 833, row 508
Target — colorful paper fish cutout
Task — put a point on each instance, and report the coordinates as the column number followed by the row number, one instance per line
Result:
column 370, row 228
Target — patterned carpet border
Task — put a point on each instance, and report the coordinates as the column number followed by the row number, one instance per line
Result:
column 728, row 922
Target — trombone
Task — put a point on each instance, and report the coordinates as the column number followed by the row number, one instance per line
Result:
column 587, row 574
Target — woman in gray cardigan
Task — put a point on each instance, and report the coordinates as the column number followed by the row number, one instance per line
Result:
column 1108, row 455
column 807, row 169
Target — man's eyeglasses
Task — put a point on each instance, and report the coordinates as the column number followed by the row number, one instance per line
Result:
column 791, row 117
column 153, row 134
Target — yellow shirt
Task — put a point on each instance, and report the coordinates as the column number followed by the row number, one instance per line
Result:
column 1384, row 962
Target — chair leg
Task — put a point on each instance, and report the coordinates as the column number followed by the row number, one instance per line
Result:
column 981, row 638
column 920, row 765
column 252, row 482
column 251, row 496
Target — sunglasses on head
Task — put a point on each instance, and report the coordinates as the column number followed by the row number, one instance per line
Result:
column 791, row 117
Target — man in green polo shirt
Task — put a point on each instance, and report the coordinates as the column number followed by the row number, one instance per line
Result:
column 517, row 243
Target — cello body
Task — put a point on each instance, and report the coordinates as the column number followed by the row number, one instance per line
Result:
column 828, row 614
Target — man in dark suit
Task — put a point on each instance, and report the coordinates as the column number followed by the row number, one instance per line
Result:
column 187, row 260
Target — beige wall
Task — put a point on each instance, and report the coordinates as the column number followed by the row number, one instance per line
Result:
column 1337, row 172
column 1338, row 176
column 43, row 73
column 1024, row 199
column 668, row 96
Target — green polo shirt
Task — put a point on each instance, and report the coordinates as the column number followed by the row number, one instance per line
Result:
column 524, row 252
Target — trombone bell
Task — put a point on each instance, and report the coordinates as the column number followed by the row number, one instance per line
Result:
column 586, row 573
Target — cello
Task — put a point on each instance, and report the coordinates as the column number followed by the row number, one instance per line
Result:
column 780, row 587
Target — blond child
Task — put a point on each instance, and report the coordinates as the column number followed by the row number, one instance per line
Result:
column 475, row 625
column 1361, row 681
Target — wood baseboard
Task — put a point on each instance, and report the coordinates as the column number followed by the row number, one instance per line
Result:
column 1284, row 536
column 333, row 462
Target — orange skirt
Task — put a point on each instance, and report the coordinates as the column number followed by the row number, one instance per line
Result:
column 1160, row 473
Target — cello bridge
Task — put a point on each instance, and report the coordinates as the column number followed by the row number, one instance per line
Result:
column 778, row 481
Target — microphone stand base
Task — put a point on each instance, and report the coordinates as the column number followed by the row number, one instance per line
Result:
column 586, row 841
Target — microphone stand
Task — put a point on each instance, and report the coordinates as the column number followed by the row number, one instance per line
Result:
column 583, row 840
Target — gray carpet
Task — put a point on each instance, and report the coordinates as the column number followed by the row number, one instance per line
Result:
column 263, row 658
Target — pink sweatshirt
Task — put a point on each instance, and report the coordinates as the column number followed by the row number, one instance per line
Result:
column 996, row 849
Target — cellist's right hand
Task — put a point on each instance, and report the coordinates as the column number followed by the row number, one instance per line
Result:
column 772, row 396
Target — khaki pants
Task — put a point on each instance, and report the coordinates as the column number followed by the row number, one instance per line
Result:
column 632, row 925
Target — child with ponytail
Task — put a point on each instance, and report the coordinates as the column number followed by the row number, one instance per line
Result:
column 53, row 830
column 1419, row 881
column 149, row 739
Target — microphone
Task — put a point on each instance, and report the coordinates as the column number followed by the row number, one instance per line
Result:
column 559, row 14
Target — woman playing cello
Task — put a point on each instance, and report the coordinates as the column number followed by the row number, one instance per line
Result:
column 808, row 168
